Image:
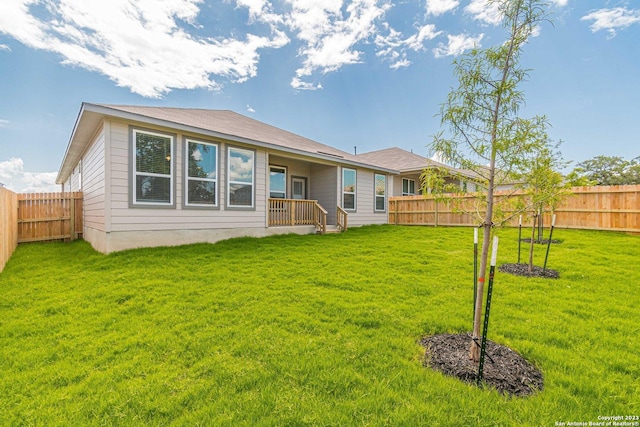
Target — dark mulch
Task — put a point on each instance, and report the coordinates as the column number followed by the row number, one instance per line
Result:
column 509, row 372
column 541, row 241
column 523, row 270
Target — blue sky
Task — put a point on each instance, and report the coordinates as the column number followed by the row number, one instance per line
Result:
column 365, row 73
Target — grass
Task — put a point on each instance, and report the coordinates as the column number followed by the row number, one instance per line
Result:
column 310, row 330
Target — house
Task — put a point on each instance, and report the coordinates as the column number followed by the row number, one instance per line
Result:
column 410, row 167
column 156, row 176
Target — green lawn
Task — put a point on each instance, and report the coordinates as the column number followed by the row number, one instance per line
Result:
column 311, row 330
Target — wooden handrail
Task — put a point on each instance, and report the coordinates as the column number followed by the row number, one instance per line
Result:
column 291, row 212
column 341, row 218
column 320, row 216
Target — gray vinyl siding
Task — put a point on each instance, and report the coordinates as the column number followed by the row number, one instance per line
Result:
column 365, row 201
column 324, row 188
column 73, row 184
column 93, row 165
column 294, row 167
column 126, row 218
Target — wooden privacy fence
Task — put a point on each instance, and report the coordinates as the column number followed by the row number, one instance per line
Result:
column 8, row 225
column 615, row 208
column 49, row 216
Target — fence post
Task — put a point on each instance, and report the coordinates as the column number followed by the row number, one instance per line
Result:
column 395, row 211
column 293, row 212
column 72, row 219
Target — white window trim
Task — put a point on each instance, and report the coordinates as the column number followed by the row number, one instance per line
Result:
column 187, row 178
column 253, row 179
column 408, row 193
column 135, row 174
column 375, row 195
column 355, row 190
column 284, row 169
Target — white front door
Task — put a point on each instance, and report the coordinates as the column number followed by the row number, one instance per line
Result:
column 299, row 188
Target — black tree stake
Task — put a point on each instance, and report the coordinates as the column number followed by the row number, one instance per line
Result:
column 553, row 223
column 492, row 269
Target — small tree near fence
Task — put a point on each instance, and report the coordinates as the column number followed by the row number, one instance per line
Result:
column 544, row 188
column 485, row 133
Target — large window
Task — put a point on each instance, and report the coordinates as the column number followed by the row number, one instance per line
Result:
column 349, row 189
column 277, row 182
column 381, row 192
column 153, row 168
column 408, row 187
column 240, row 177
column 201, row 173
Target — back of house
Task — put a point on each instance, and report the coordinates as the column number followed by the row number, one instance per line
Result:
column 157, row 176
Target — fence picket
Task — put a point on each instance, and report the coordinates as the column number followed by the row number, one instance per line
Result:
column 8, row 225
column 49, row 216
column 614, row 208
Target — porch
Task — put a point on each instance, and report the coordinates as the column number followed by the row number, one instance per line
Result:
column 292, row 212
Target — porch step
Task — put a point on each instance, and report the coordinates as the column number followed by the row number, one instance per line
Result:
column 332, row 229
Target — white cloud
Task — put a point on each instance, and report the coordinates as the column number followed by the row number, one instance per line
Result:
column 485, row 11
column 612, row 20
column 438, row 7
column 250, row 109
column 329, row 39
column 155, row 46
column 13, row 176
column 457, row 45
column 427, row 32
column 298, row 84
column 138, row 44
column 5, row 48
column 402, row 63
column 3, row 123
column 394, row 47
column 560, row 3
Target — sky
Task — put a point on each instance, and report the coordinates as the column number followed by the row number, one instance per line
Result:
column 356, row 75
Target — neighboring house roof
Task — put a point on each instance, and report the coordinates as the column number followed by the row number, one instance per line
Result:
column 216, row 123
column 405, row 161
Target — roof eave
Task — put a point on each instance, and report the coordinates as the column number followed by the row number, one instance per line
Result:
column 68, row 164
column 63, row 173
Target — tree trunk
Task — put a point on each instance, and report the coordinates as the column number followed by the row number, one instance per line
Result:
column 474, row 351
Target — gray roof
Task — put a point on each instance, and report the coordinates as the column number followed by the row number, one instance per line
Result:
column 406, row 161
column 224, row 124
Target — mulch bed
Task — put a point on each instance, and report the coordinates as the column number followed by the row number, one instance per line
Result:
column 509, row 372
column 523, row 270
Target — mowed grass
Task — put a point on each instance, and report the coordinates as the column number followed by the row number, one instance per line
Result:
column 311, row 330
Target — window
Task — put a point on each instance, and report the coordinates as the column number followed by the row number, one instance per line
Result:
column 381, row 192
column 408, row 187
column 349, row 189
column 277, row 182
column 153, row 168
column 240, row 177
column 201, row 173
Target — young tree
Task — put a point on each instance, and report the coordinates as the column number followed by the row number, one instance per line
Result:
column 544, row 186
column 483, row 122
